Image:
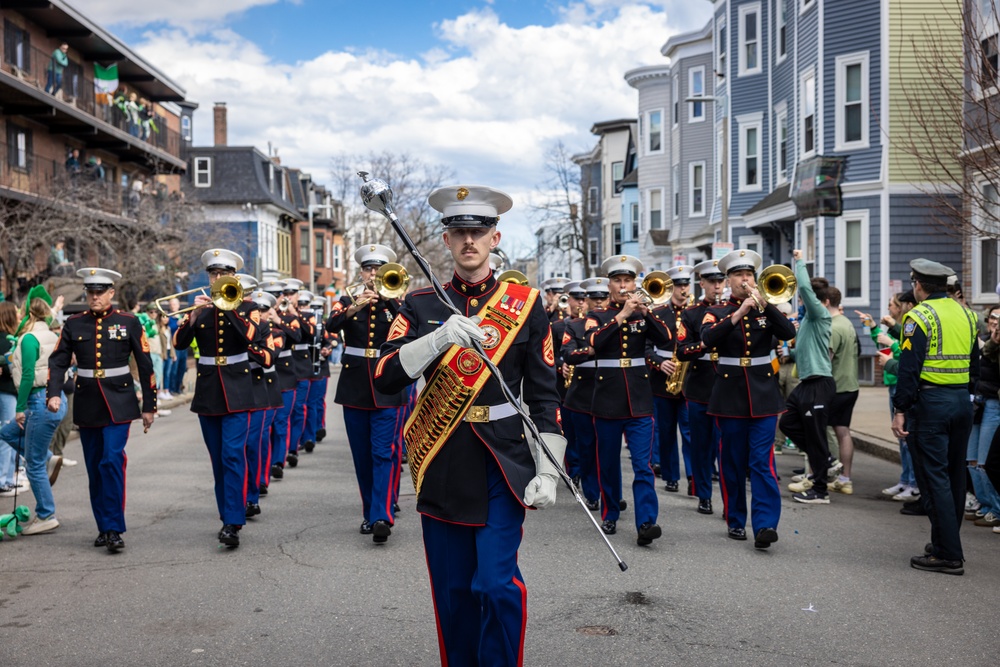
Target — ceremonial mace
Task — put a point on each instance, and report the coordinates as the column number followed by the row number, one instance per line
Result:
column 377, row 196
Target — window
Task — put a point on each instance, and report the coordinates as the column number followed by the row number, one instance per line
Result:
column 781, row 141
column 807, row 5
column 203, row 172
column 985, row 248
column 17, row 46
column 186, row 128
column 617, row 174
column 319, row 251
column 338, row 256
column 719, row 149
column 593, row 202
column 721, row 46
column 696, row 88
column 852, row 257
column 852, row 101
column 19, row 154
column 749, row 60
column 656, row 209
column 781, row 30
column 593, row 252
column 677, row 191
column 655, row 134
column 808, row 113
column 616, row 238
column 284, row 186
column 634, row 220
column 755, row 243
column 809, row 246
column 697, row 185
column 675, row 94
column 270, row 176
column 750, row 153
column 303, row 248
column 989, row 65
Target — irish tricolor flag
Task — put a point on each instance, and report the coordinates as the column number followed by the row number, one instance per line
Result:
column 105, row 82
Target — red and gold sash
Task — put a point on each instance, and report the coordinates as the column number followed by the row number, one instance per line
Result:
column 460, row 376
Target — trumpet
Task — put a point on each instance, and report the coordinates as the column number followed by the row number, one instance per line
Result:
column 284, row 304
column 390, row 282
column 645, row 298
column 658, row 286
column 563, row 301
column 226, row 293
column 513, row 276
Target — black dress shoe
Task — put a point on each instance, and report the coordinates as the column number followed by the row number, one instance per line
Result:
column 737, row 534
column 253, row 509
column 293, row 459
column 230, row 535
column 277, row 471
column 928, row 549
column 381, row 530
column 593, row 505
column 647, row 533
column 320, row 434
column 263, row 489
column 115, row 541
column 705, row 506
column 395, row 508
column 622, row 505
column 609, row 527
column 366, row 528
column 673, row 487
column 913, row 508
column 102, row 540
column 690, row 486
column 765, row 537
column 656, row 469
column 309, row 445
column 935, row 564
column 405, row 460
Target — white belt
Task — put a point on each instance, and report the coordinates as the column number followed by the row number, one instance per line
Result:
column 223, row 361
column 301, row 346
column 745, row 361
column 489, row 413
column 254, row 365
column 585, row 364
column 669, row 354
column 620, row 363
column 369, row 352
column 102, row 372
column 709, row 356
column 285, row 353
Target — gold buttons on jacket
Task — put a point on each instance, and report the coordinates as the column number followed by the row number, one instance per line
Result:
column 98, row 346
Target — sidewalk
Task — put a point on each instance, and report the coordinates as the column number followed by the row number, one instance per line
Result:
column 870, row 426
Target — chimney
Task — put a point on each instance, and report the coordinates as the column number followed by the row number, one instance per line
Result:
column 221, row 128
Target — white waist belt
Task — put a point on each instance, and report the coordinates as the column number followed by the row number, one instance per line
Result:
column 745, row 361
column 489, row 413
column 285, row 353
column 254, row 365
column 102, row 372
column 301, row 346
column 585, row 364
column 369, row 352
column 709, row 356
column 620, row 363
column 223, row 361
column 669, row 354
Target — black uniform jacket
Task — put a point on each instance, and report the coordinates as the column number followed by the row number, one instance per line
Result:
column 286, row 334
column 302, row 351
column 558, row 329
column 324, row 340
column 701, row 374
column 621, row 392
column 454, row 487
column 670, row 314
column 575, row 352
column 745, row 391
column 366, row 329
column 267, row 391
column 228, row 388
column 103, row 341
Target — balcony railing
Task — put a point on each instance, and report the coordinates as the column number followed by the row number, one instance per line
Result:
column 76, row 89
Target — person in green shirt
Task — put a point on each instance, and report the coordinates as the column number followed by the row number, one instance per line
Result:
column 54, row 73
column 845, row 348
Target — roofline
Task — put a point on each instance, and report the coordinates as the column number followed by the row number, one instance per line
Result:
column 589, row 157
column 605, row 126
column 634, row 76
column 680, row 40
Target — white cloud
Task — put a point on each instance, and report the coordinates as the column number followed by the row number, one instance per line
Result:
column 490, row 109
column 189, row 13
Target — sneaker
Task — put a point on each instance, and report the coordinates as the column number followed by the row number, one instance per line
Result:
column 800, row 477
column 800, row 486
column 834, row 469
column 778, row 449
column 162, row 412
column 971, row 503
column 37, row 525
column 841, row 485
column 811, row 497
column 8, row 490
column 894, row 490
column 69, row 463
column 907, row 494
column 975, row 516
column 935, row 564
column 996, row 529
column 789, row 445
column 990, row 519
column 52, row 466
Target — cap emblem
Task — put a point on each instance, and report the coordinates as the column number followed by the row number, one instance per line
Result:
column 371, row 248
column 216, row 253
column 624, row 258
column 93, row 272
column 462, row 194
column 742, row 253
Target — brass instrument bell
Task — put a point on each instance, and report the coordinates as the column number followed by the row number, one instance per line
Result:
column 513, row 276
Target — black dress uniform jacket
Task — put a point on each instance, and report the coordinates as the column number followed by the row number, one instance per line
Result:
column 701, row 373
column 575, row 350
column 670, row 315
column 286, row 334
column 623, row 392
column 750, row 391
column 224, row 389
column 102, row 341
column 267, row 391
column 454, row 486
column 302, row 351
column 366, row 329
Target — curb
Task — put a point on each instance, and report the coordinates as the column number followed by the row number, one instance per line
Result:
column 881, row 448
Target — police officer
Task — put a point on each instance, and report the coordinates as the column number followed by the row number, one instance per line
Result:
column 669, row 405
column 473, row 468
column 223, row 394
column 103, row 338
column 370, row 415
column 699, row 380
column 623, row 399
column 286, row 329
column 745, row 397
column 938, row 363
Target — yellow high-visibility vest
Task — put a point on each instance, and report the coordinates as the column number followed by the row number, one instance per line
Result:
column 951, row 332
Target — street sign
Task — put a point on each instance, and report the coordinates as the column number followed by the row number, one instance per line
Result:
column 721, row 249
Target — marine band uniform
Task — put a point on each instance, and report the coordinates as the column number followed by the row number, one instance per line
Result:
column 287, row 332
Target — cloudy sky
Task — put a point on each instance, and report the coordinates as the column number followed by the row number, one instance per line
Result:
column 485, row 86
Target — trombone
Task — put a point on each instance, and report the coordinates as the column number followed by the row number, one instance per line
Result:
column 226, row 293
column 658, row 286
column 777, row 283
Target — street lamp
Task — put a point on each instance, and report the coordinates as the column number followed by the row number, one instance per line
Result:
column 312, row 244
column 724, row 167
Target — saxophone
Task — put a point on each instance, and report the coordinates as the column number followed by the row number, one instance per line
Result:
column 675, row 381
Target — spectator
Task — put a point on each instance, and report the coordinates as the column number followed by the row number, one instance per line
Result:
column 134, row 197
column 147, row 124
column 131, row 108
column 788, row 377
column 54, row 72
column 176, row 387
column 8, row 396
column 845, row 348
column 95, row 168
column 73, row 166
column 986, row 419
column 169, row 354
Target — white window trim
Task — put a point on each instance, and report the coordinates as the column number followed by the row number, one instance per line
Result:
column 721, row 25
column 840, row 122
column 806, row 5
column 741, row 52
column 650, row 198
column 757, row 239
column 806, row 224
column 690, row 105
column 778, row 57
column 704, row 181
column 675, row 209
column 978, row 297
column 745, row 122
column 649, row 132
column 614, row 188
column 593, row 251
column 840, row 242
column 717, row 177
column 593, row 200
column 675, row 93
column 979, row 92
column 809, row 73
column 781, row 111
column 207, row 171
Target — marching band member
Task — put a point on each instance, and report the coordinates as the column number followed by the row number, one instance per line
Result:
column 623, row 400
column 553, row 288
column 267, row 395
column 223, row 397
column 473, row 469
column 316, row 417
column 745, row 397
column 577, row 300
column 286, row 331
column 103, row 338
column 302, row 356
column 370, row 414
column 302, row 366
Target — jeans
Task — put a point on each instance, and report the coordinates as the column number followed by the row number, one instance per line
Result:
column 157, row 369
column 907, row 477
column 179, row 371
column 53, row 81
column 978, row 451
column 33, row 444
column 8, row 457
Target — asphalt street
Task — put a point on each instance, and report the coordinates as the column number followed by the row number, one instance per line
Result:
column 305, row 588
